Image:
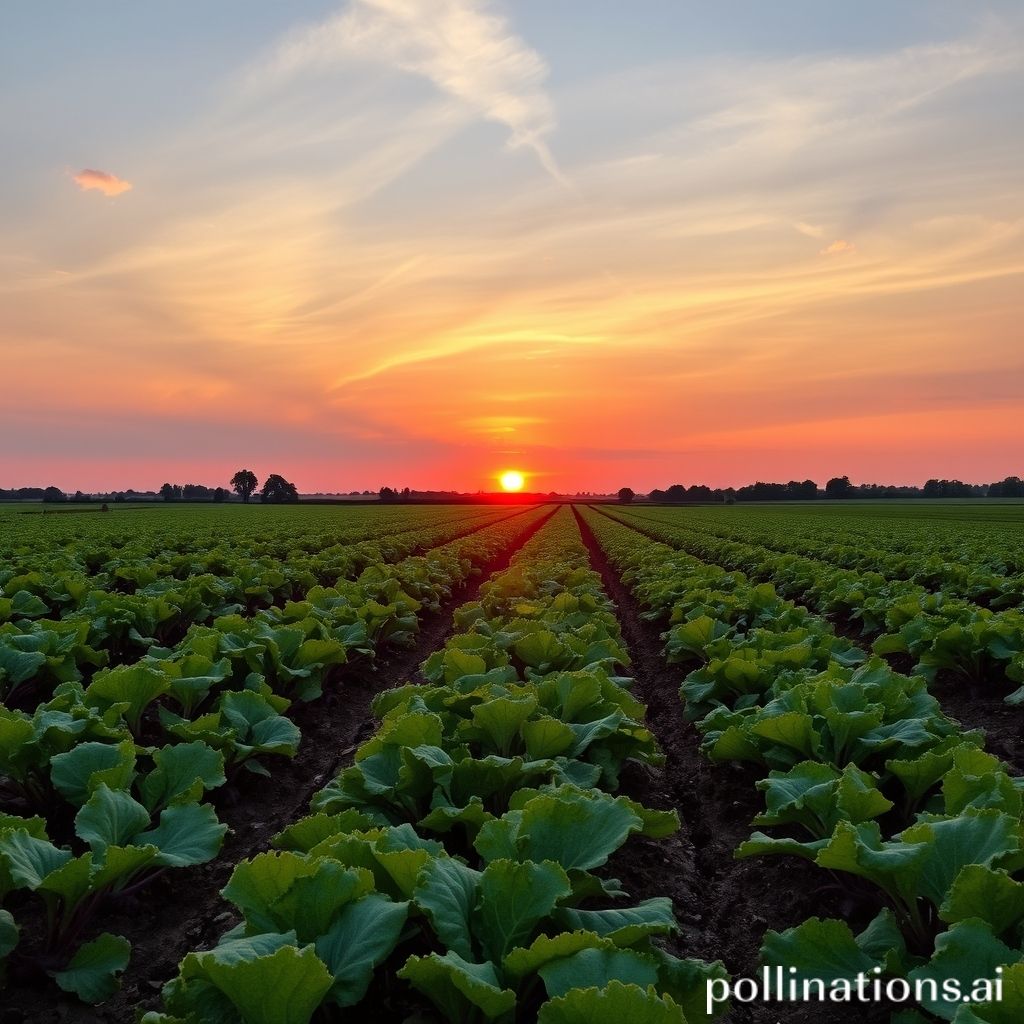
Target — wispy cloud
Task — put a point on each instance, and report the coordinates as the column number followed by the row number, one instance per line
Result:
column 810, row 230
column 838, row 248
column 465, row 48
column 101, row 181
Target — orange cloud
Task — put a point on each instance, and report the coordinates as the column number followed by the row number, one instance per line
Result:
column 838, row 247
column 108, row 184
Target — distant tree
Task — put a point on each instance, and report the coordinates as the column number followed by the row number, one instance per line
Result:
column 54, row 494
column 120, row 498
column 278, row 491
column 220, row 494
column 243, row 483
column 1011, row 487
column 626, row 495
column 167, row 492
column 406, row 493
column 657, row 495
column 677, row 492
column 387, row 494
column 839, row 487
column 193, row 491
column 947, row 489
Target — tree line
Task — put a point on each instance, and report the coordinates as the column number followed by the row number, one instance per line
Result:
column 838, row 488
column 276, row 490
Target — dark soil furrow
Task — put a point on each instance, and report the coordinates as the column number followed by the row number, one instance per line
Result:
column 724, row 905
column 184, row 910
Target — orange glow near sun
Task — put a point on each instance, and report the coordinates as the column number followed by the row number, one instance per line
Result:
column 512, row 480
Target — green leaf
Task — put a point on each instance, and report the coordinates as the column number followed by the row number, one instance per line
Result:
column 78, row 772
column 110, row 818
column 8, row 938
column 986, row 893
column 967, row 952
column 687, row 982
column 595, row 968
column 514, row 899
column 974, row 837
column 823, row 949
column 500, row 720
column 524, row 961
column 542, row 651
column 575, row 828
column 303, row 835
column 30, row 859
column 361, row 938
column 284, row 986
column 446, row 891
column 456, row 986
column 186, row 834
column 182, row 773
column 92, row 973
column 314, row 900
column 615, row 1004
column 625, row 926
column 256, row 885
column 135, row 685
column 546, row 737
column 1009, row 1009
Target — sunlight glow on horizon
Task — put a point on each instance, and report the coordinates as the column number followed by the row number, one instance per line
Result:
column 359, row 250
column 512, row 480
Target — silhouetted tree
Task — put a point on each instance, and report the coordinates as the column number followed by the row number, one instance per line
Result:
column 677, row 492
column 387, row 494
column 1011, row 487
column 839, row 487
column 244, row 483
column 278, row 491
column 54, row 494
column 626, row 495
column 220, row 494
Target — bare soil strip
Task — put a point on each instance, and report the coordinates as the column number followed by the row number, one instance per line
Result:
column 184, row 910
column 724, row 905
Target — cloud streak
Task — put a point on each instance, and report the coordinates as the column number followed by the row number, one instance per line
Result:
column 101, row 181
column 466, row 49
column 840, row 247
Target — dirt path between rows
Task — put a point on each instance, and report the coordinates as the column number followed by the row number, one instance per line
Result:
column 724, row 905
column 183, row 910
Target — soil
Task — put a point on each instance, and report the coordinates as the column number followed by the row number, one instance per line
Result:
column 183, row 910
column 724, row 905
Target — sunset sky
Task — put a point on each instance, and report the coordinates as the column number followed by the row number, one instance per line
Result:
column 418, row 242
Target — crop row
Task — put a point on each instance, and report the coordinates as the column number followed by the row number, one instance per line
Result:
column 105, row 785
column 865, row 778
column 61, row 626
column 461, row 852
column 986, row 536
column 975, row 645
column 962, row 571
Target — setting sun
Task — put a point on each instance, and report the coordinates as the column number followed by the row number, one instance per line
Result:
column 512, row 480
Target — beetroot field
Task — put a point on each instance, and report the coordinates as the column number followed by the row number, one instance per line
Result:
column 571, row 764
